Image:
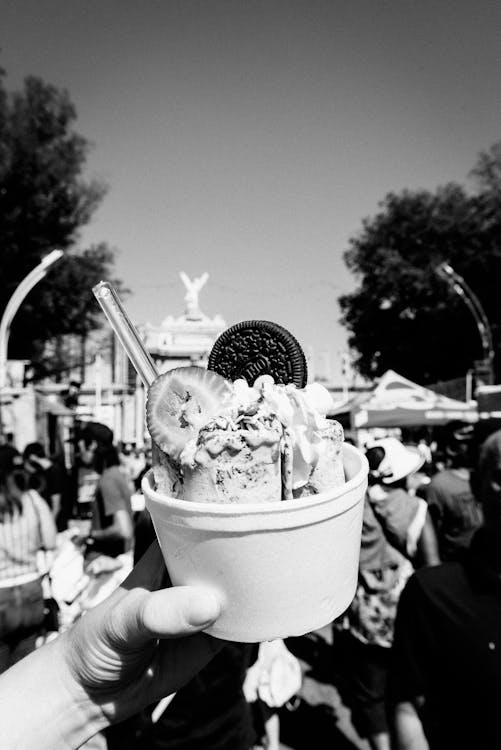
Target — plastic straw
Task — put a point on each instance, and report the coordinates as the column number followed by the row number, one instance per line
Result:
column 125, row 331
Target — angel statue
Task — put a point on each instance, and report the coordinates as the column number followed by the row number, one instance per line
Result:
column 193, row 287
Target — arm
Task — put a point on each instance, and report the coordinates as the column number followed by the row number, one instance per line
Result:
column 413, row 659
column 42, row 680
column 428, row 544
column 116, row 498
column 140, row 644
column 48, row 531
column 409, row 734
column 55, row 482
column 435, row 505
column 55, row 501
column 121, row 528
column 400, row 515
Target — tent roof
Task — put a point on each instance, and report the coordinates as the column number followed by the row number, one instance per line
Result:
column 398, row 402
column 393, row 388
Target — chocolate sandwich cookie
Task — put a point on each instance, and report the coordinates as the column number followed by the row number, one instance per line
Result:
column 259, row 347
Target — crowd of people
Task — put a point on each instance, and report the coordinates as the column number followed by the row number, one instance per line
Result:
column 416, row 652
column 41, row 503
column 420, row 511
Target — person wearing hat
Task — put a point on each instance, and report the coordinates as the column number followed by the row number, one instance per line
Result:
column 395, row 526
column 89, row 438
column 445, row 677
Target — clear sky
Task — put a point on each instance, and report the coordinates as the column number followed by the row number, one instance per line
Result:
column 249, row 138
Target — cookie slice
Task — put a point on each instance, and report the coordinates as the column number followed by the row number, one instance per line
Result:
column 259, row 347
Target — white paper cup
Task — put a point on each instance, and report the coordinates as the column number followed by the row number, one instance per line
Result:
column 279, row 569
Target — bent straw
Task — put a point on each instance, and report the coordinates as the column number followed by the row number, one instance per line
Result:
column 125, row 331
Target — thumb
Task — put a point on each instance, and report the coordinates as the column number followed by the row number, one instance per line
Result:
column 170, row 613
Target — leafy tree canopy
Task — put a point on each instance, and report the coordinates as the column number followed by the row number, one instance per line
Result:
column 69, row 308
column 44, row 202
column 402, row 315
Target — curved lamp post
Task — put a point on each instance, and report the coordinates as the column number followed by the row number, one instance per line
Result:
column 12, row 307
column 461, row 288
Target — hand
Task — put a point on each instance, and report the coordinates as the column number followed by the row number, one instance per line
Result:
column 141, row 644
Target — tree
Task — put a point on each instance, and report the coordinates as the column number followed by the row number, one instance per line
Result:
column 71, row 315
column 403, row 316
column 44, row 202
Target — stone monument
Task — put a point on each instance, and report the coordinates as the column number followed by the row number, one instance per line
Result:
column 193, row 287
column 186, row 339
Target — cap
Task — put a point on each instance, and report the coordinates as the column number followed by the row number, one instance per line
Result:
column 34, row 449
column 95, row 431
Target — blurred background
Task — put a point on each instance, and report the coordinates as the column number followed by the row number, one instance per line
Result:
column 333, row 167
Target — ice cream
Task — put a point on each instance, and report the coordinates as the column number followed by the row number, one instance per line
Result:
column 278, row 569
column 327, row 469
column 234, row 443
column 235, row 462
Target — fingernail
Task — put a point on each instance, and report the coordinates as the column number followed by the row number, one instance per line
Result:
column 204, row 609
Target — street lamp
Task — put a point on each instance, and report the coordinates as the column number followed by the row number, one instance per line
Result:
column 26, row 285
column 461, row 288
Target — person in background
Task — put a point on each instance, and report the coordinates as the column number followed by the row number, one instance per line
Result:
column 395, row 527
column 85, row 479
column 425, row 450
column 131, row 462
column 45, row 477
column 26, row 527
column 418, row 482
column 455, row 512
column 445, row 678
column 439, row 460
column 147, row 464
column 140, row 462
column 87, row 439
column 112, row 526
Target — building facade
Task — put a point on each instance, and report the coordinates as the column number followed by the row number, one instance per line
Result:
column 111, row 391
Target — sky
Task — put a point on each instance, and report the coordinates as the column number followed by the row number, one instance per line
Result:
column 250, row 138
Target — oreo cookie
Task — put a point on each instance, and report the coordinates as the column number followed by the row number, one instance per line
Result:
column 259, row 347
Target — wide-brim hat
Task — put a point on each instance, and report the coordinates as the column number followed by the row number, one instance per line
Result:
column 399, row 460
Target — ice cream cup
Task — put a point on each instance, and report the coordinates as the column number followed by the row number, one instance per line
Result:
column 279, row 569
